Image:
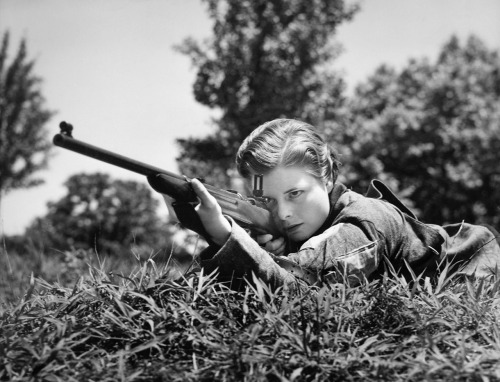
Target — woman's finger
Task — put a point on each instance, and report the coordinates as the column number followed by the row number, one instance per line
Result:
column 210, row 213
column 202, row 193
column 263, row 239
column 276, row 246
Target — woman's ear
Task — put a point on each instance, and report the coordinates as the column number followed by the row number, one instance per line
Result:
column 329, row 186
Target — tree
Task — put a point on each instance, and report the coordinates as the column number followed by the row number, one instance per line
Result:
column 100, row 213
column 433, row 132
column 24, row 147
column 266, row 59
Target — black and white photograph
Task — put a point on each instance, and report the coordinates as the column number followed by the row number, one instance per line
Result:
column 254, row 190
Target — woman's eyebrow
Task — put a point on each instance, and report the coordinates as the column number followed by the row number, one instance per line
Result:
column 294, row 188
column 290, row 190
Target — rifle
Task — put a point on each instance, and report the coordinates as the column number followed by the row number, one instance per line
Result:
column 250, row 213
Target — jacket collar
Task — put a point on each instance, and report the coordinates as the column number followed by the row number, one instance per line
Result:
column 335, row 194
column 337, row 191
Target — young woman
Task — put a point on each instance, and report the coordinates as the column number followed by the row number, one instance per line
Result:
column 337, row 234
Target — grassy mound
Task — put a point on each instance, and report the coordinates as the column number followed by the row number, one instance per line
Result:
column 148, row 327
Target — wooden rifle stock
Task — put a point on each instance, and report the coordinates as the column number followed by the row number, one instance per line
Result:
column 250, row 213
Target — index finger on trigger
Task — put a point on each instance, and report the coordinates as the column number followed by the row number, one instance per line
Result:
column 261, row 239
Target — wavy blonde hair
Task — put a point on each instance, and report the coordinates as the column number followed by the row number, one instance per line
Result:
column 287, row 142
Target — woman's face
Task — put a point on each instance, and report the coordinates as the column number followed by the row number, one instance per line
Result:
column 298, row 201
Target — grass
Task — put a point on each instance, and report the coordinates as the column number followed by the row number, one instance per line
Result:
column 97, row 326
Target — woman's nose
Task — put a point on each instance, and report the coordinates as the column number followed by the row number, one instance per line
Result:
column 284, row 211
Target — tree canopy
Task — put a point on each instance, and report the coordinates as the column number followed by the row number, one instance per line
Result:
column 432, row 131
column 266, row 59
column 97, row 212
column 24, row 147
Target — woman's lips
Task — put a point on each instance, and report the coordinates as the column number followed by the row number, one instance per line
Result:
column 292, row 228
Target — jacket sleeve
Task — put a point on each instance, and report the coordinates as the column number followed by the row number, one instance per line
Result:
column 345, row 252
column 240, row 256
column 342, row 251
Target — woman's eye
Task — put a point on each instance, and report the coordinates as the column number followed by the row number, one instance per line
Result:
column 294, row 194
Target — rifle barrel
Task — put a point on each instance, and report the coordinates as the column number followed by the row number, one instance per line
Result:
column 248, row 212
column 70, row 143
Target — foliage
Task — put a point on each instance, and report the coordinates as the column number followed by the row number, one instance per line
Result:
column 432, row 131
column 266, row 59
column 24, row 147
column 19, row 269
column 146, row 327
column 97, row 212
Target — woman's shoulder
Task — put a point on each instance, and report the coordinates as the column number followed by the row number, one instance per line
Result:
column 352, row 204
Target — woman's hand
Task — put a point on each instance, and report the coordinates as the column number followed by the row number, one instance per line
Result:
column 276, row 246
column 210, row 213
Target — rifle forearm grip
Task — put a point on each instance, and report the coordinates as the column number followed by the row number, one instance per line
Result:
column 177, row 188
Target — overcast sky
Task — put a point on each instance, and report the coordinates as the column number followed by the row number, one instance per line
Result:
column 108, row 67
